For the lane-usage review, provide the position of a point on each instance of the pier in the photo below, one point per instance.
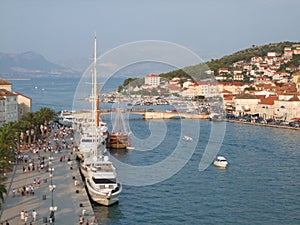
(148, 115)
(61, 189)
(173, 115)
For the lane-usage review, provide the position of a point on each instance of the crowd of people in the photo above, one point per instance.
(34, 163)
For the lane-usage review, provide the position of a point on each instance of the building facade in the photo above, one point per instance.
(152, 80)
(13, 105)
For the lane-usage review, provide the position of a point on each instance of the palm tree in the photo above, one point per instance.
(7, 141)
(22, 126)
(46, 115)
(2, 192)
(7, 144)
(30, 119)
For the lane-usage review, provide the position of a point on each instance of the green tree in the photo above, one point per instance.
(2, 192)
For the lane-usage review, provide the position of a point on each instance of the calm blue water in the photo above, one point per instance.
(260, 186)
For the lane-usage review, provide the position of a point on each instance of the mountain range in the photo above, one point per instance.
(30, 63)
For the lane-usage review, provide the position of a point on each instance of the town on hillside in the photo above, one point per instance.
(265, 88)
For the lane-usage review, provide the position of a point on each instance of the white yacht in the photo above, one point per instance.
(102, 183)
(220, 161)
(66, 118)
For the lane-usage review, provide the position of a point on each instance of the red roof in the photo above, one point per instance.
(234, 83)
(269, 100)
(229, 97)
(152, 75)
(4, 82)
(294, 99)
(4, 92)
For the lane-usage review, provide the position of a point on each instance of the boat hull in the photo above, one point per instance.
(103, 197)
(84, 170)
(118, 141)
(220, 164)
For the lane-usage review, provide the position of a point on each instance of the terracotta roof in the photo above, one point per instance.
(294, 98)
(235, 83)
(4, 82)
(152, 75)
(4, 92)
(269, 100)
(226, 91)
(229, 97)
(246, 96)
(296, 73)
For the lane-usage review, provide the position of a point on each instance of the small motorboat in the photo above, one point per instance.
(187, 138)
(220, 161)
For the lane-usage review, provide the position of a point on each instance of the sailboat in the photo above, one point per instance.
(100, 174)
(119, 137)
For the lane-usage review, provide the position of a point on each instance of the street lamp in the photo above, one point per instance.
(52, 187)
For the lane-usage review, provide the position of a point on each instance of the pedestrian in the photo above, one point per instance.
(25, 216)
(34, 213)
(81, 220)
(87, 222)
(7, 223)
(22, 215)
(14, 192)
(32, 191)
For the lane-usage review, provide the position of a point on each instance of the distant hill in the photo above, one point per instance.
(29, 63)
(227, 61)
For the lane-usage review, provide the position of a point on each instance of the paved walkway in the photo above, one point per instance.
(70, 200)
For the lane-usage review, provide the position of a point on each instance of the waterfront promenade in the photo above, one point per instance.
(69, 199)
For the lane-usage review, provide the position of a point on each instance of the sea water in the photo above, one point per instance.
(260, 185)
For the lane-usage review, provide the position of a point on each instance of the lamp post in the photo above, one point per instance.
(51, 188)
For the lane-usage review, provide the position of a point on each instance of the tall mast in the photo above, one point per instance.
(94, 100)
(95, 96)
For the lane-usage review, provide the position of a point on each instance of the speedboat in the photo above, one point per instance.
(102, 183)
(220, 161)
(187, 138)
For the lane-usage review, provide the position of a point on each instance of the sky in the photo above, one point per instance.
(63, 30)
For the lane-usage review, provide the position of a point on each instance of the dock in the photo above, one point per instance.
(147, 115)
(173, 115)
(69, 196)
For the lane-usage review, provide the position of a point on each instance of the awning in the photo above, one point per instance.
(296, 118)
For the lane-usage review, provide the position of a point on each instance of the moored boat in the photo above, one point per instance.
(102, 183)
(119, 139)
(66, 118)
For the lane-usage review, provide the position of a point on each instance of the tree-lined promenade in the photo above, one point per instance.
(18, 136)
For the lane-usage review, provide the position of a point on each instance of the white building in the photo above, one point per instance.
(152, 80)
(13, 105)
(245, 104)
(8, 107)
(24, 104)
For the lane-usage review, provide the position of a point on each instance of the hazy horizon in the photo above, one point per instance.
(62, 31)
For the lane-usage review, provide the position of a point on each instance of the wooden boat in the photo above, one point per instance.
(119, 139)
